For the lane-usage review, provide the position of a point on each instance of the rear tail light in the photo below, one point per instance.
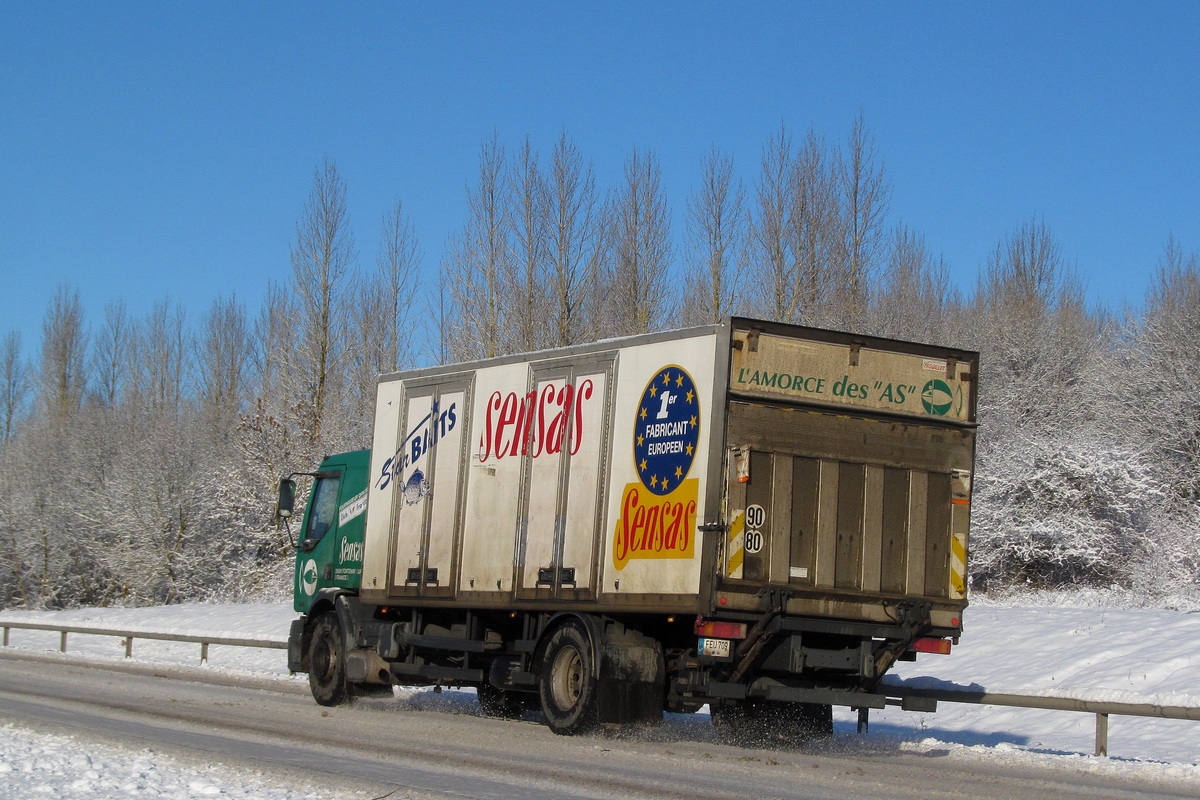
(721, 630)
(929, 645)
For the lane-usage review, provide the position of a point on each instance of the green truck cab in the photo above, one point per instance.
(329, 555)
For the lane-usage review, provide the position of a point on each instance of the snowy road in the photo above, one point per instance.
(433, 749)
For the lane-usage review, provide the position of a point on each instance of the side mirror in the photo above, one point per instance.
(287, 497)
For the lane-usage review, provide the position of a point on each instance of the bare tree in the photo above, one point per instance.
(222, 363)
(775, 292)
(323, 260)
(1168, 339)
(576, 231)
(477, 260)
(526, 282)
(865, 198)
(439, 307)
(1054, 486)
(641, 245)
(380, 338)
(14, 385)
(162, 351)
(274, 345)
(278, 428)
(1025, 274)
(111, 356)
(915, 296)
(1035, 331)
(812, 230)
(364, 358)
(62, 378)
(717, 251)
(397, 265)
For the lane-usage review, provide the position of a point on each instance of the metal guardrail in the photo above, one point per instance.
(130, 635)
(1102, 710)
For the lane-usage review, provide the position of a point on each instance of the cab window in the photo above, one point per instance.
(323, 512)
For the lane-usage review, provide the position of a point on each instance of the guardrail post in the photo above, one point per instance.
(6, 636)
(62, 643)
(129, 647)
(204, 652)
(1102, 735)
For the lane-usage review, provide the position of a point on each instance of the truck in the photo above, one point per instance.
(758, 517)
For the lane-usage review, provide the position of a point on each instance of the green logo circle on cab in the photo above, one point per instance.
(308, 577)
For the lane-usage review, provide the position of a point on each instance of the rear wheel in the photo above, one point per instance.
(327, 663)
(769, 723)
(567, 682)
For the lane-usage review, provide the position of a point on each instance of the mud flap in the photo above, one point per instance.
(632, 679)
(295, 650)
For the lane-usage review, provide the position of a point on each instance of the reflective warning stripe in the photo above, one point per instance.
(958, 566)
(736, 546)
(960, 522)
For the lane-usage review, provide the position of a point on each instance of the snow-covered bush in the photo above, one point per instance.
(1055, 511)
(1170, 566)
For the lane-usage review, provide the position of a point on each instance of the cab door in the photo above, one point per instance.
(314, 569)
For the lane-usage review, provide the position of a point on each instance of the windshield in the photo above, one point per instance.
(323, 510)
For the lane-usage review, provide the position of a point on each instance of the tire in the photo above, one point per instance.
(326, 662)
(499, 703)
(567, 682)
(767, 723)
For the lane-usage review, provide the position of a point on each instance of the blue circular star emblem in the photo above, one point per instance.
(667, 430)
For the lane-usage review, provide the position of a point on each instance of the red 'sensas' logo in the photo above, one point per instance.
(545, 420)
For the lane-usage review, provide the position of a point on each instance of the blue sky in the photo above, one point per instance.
(165, 150)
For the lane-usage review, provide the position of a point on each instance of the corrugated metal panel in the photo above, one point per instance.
(851, 480)
(879, 521)
(893, 566)
(806, 477)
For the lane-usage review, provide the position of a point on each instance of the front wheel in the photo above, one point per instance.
(567, 682)
(327, 663)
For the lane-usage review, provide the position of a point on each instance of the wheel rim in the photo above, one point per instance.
(322, 665)
(567, 678)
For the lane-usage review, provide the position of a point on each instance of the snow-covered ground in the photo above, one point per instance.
(1088, 653)
(38, 764)
(1079, 651)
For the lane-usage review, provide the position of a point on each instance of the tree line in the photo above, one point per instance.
(139, 455)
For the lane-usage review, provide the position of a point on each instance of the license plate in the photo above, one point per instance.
(714, 647)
